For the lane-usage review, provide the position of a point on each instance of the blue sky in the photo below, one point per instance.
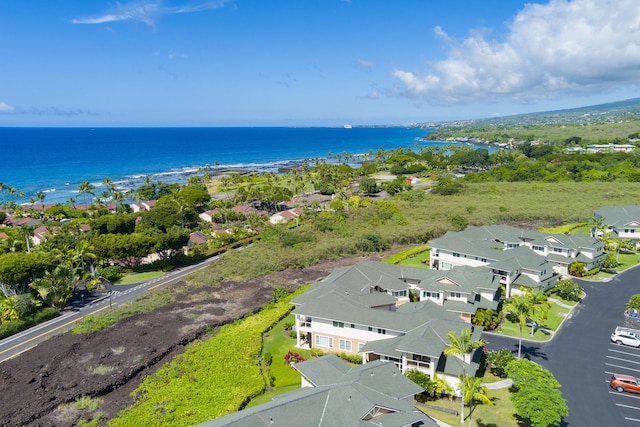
(309, 62)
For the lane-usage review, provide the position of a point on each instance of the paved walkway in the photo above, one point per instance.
(499, 384)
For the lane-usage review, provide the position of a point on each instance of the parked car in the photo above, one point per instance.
(622, 382)
(626, 336)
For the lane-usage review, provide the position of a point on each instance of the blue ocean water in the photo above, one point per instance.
(57, 160)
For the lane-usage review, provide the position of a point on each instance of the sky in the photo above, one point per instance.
(309, 62)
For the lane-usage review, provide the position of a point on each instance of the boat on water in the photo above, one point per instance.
(347, 126)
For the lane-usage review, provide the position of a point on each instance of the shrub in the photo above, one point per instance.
(14, 326)
(498, 361)
(576, 269)
(293, 357)
(112, 273)
(354, 359)
(568, 290)
(634, 302)
(279, 293)
(316, 352)
(424, 381)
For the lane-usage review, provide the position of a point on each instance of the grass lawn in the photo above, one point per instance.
(277, 344)
(139, 277)
(501, 414)
(555, 317)
(416, 260)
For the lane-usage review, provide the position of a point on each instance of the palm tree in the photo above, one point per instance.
(475, 392)
(83, 252)
(41, 195)
(86, 188)
(597, 224)
(462, 346)
(525, 307)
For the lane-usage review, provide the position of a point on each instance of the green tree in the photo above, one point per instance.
(368, 185)
(569, 290)
(462, 346)
(55, 287)
(537, 395)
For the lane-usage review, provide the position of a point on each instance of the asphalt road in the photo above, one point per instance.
(16, 344)
(582, 357)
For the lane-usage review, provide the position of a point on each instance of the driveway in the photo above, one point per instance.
(582, 357)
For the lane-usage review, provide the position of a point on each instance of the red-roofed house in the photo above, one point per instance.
(285, 216)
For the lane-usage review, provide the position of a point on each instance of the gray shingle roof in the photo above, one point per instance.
(355, 395)
(619, 216)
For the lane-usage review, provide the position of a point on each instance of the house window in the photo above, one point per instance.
(370, 329)
(456, 255)
(344, 345)
(537, 248)
(400, 293)
(322, 341)
(558, 250)
(483, 259)
(455, 295)
(382, 331)
(353, 326)
(360, 346)
(445, 266)
(338, 324)
(435, 295)
(306, 323)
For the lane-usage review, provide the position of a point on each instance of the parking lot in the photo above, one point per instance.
(623, 359)
(582, 357)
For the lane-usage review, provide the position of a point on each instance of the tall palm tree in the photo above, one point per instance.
(462, 346)
(475, 392)
(525, 307)
(40, 195)
(86, 188)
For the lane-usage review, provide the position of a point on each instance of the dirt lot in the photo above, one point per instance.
(36, 385)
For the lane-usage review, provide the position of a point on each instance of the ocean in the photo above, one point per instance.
(57, 160)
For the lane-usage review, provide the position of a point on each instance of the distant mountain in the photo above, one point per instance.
(612, 111)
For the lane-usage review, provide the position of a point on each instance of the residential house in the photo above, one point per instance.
(610, 148)
(143, 206)
(620, 221)
(285, 216)
(197, 238)
(41, 234)
(518, 256)
(336, 394)
(207, 216)
(365, 309)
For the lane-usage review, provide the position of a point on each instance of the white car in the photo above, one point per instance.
(626, 338)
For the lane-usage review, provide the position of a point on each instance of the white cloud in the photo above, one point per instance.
(364, 63)
(560, 48)
(6, 108)
(148, 11)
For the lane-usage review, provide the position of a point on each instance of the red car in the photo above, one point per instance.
(623, 382)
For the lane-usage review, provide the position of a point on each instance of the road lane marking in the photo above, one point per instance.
(48, 332)
(631, 396)
(632, 419)
(622, 367)
(628, 406)
(624, 352)
(624, 360)
(173, 278)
